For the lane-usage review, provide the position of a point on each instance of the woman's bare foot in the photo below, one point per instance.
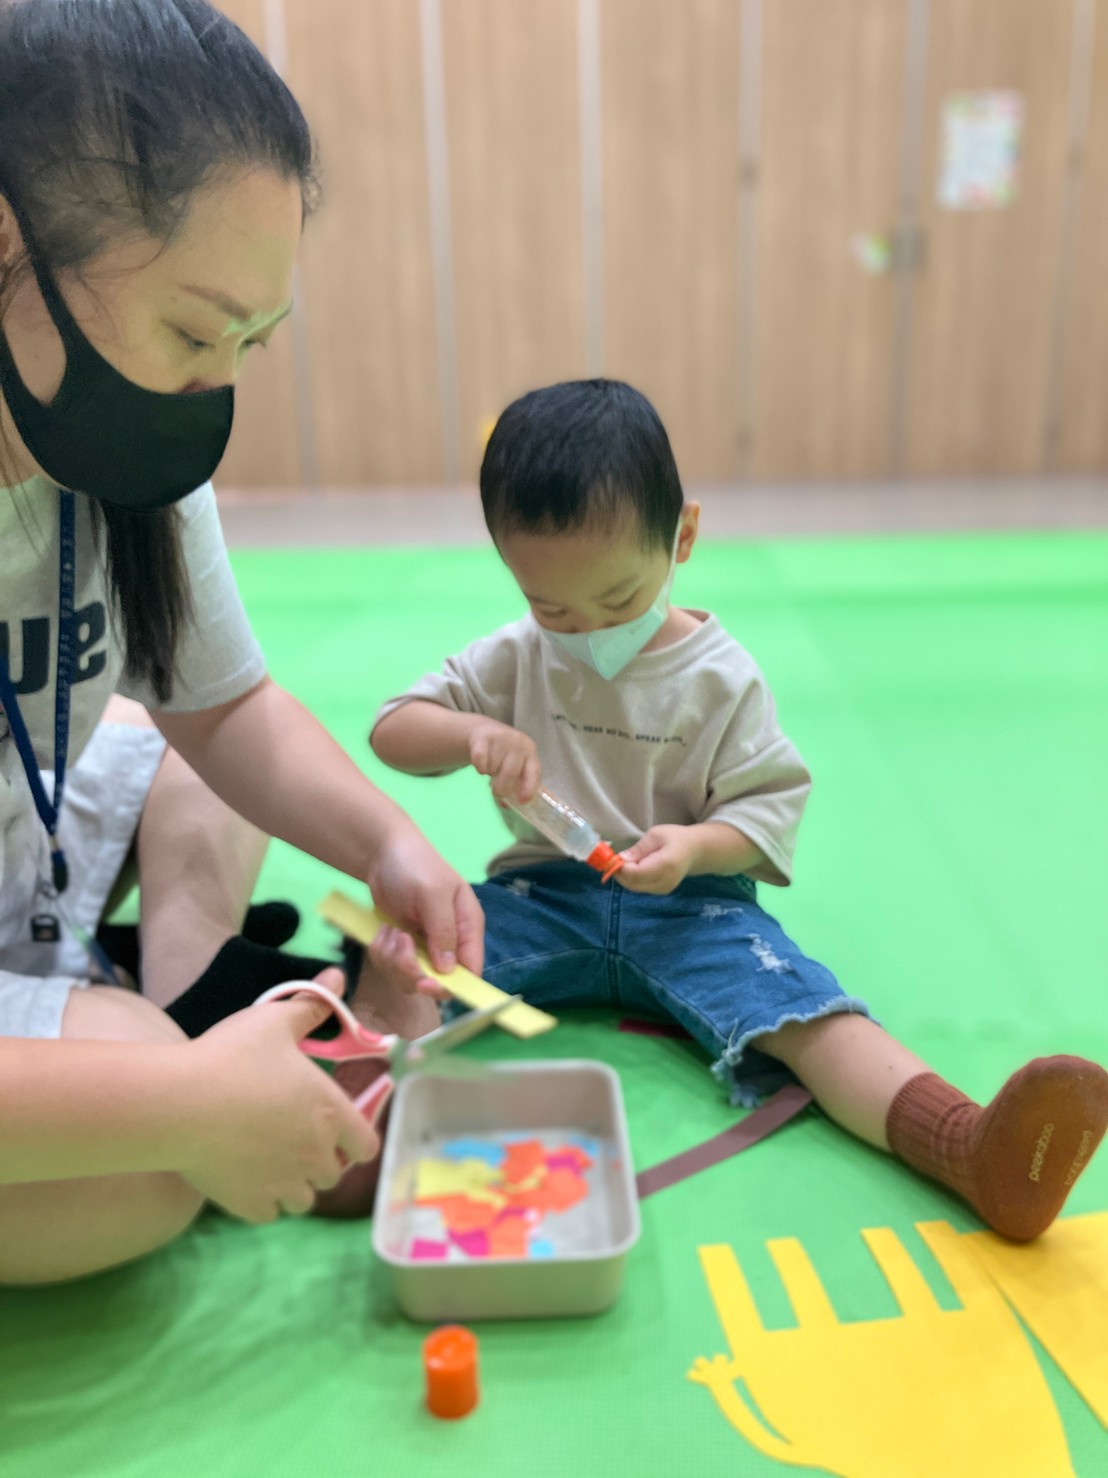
(390, 996)
(354, 1195)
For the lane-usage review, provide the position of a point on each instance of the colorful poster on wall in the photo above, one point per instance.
(979, 167)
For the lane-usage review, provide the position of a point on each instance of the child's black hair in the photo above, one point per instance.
(583, 452)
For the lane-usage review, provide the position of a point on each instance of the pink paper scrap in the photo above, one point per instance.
(424, 1250)
(473, 1244)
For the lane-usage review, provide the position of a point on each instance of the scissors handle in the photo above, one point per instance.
(371, 1103)
(353, 1040)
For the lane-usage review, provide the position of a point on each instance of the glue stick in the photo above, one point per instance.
(566, 829)
(450, 1372)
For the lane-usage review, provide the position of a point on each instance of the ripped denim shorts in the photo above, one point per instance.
(705, 956)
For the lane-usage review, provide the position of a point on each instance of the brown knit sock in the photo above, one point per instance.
(1015, 1161)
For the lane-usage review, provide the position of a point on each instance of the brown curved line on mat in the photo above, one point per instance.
(785, 1104)
(640, 1028)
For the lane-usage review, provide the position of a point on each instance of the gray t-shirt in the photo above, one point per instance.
(684, 734)
(218, 658)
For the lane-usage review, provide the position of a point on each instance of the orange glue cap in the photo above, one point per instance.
(605, 860)
(450, 1365)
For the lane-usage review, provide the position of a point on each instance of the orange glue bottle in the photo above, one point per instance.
(572, 833)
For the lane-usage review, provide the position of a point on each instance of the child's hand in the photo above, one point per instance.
(509, 758)
(271, 1129)
(658, 861)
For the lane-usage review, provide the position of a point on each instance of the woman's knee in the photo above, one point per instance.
(51, 1231)
(54, 1231)
(104, 1013)
(121, 710)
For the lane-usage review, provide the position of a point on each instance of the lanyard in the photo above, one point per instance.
(49, 811)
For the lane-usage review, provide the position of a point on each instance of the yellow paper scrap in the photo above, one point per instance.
(529, 1183)
(364, 924)
(1058, 1285)
(472, 1178)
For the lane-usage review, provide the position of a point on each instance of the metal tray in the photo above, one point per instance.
(567, 1101)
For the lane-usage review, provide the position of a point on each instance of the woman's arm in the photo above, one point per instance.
(240, 1112)
(75, 1108)
(274, 763)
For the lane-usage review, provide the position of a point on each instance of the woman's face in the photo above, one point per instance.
(176, 317)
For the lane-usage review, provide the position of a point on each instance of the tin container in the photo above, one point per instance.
(585, 1248)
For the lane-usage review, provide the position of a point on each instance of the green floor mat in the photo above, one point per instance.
(951, 697)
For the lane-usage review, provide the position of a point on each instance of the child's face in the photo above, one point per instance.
(589, 579)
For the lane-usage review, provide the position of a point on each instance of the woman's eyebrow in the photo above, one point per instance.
(229, 305)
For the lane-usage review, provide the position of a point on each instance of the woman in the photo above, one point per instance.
(154, 178)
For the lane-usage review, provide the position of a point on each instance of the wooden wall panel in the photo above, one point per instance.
(833, 100)
(1082, 443)
(515, 180)
(669, 100)
(983, 306)
(368, 288)
(264, 450)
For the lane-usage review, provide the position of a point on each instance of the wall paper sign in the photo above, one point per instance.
(979, 165)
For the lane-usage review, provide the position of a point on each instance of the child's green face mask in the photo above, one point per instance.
(588, 591)
(609, 649)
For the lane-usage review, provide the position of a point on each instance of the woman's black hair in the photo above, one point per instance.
(113, 114)
(583, 452)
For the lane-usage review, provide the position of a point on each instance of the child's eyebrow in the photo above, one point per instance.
(623, 584)
(543, 600)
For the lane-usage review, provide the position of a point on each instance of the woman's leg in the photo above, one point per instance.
(55, 1230)
(198, 862)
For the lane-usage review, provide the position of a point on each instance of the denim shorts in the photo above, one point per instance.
(705, 956)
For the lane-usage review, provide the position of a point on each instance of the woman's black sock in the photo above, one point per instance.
(266, 923)
(237, 976)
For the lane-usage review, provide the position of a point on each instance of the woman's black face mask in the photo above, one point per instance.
(102, 434)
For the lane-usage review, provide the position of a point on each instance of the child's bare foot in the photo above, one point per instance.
(392, 993)
(1016, 1160)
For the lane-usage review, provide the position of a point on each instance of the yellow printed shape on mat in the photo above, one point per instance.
(1058, 1285)
(930, 1391)
(364, 924)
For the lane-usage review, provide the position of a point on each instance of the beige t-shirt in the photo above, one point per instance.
(684, 734)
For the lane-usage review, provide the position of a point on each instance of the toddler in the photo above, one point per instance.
(656, 725)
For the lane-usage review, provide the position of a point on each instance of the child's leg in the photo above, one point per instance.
(1015, 1161)
(852, 1068)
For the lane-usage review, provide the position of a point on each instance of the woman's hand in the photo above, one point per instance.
(417, 888)
(661, 859)
(508, 757)
(271, 1129)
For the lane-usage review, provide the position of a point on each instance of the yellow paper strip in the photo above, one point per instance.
(364, 924)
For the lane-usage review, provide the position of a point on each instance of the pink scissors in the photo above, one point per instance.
(402, 1056)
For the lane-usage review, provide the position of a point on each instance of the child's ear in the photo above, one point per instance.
(690, 527)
